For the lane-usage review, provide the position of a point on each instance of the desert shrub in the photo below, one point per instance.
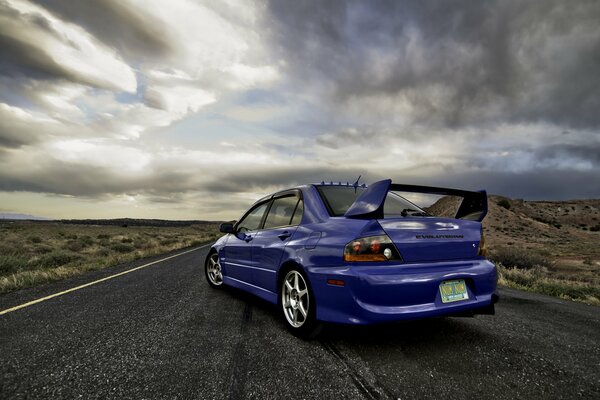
(588, 261)
(12, 263)
(122, 247)
(520, 258)
(71, 236)
(102, 252)
(43, 249)
(127, 240)
(541, 219)
(504, 203)
(7, 249)
(595, 228)
(57, 258)
(140, 244)
(35, 239)
(74, 245)
(87, 240)
(567, 289)
(103, 236)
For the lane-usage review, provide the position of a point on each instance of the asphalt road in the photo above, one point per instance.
(161, 333)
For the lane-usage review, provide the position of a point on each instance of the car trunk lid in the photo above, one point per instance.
(421, 239)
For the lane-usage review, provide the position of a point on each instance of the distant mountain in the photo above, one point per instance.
(124, 222)
(16, 216)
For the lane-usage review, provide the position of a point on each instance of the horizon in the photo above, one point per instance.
(40, 218)
(196, 110)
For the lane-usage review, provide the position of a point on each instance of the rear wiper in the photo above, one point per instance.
(413, 212)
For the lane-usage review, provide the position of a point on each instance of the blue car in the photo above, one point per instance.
(353, 254)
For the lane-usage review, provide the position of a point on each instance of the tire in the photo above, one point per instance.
(212, 270)
(298, 306)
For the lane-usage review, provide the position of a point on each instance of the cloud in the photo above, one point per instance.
(18, 126)
(114, 64)
(41, 46)
(121, 25)
(200, 108)
(447, 63)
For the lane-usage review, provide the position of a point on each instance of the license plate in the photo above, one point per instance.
(453, 291)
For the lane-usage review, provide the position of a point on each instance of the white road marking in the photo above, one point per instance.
(30, 303)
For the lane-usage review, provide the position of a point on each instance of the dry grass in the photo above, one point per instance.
(539, 280)
(37, 252)
(534, 270)
(520, 258)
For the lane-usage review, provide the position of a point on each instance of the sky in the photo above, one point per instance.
(194, 109)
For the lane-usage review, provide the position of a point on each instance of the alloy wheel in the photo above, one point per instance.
(213, 270)
(295, 299)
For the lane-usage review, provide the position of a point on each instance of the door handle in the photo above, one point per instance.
(284, 235)
(247, 238)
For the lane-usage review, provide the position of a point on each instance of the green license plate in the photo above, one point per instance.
(453, 291)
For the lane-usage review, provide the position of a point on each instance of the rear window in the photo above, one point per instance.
(338, 200)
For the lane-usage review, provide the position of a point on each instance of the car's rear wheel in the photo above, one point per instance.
(298, 305)
(212, 268)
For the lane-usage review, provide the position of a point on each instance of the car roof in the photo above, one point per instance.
(300, 187)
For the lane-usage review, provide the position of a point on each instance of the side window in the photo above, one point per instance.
(298, 214)
(281, 212)
(251, 222)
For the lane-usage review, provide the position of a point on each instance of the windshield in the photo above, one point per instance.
(338, 200)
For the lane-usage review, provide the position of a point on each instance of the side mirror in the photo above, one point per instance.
(227, 227)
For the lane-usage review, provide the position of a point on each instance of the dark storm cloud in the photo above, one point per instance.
(537, 184)
(348, 137)
(456, 62)
(586, 153)
(553, 184)
(36, 46)
(10, 138)
(16, 132)
(18, 58)
(131, 31)
(23, 60)
(263, 179)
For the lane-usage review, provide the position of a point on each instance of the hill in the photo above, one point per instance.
(556, 240)
(566, 230)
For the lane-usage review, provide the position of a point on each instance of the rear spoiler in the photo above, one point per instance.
(369, 205)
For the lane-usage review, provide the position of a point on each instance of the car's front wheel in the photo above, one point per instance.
(298, 305)
(212, 269)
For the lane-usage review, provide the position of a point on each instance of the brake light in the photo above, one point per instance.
(372, 248)
(482, 249)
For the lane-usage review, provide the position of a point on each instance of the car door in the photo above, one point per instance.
(237, 254)
(282, 220)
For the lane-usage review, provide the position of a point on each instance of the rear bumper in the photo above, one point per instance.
(394, 292)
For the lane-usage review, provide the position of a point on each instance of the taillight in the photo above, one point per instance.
(482, 249)
(372, 248)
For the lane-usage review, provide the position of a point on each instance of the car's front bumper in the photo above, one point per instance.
(386, 292)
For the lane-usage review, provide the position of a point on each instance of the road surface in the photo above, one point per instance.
(161, 333)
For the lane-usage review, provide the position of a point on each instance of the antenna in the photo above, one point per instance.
(356, 183)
